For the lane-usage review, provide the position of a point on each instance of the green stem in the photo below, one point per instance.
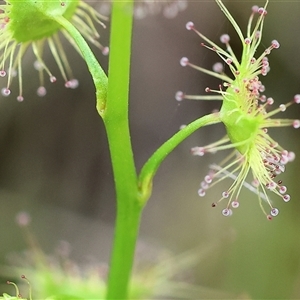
(149, 169)
(116, 122)
(98, 75)
(112, 105)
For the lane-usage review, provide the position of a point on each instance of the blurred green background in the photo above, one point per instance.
(54, 160)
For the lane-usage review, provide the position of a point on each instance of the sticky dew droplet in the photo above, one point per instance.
(226, 212)
(41, 91)
(5, 92)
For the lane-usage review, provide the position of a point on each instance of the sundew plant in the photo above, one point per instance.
(255, 161)
(246, 113)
